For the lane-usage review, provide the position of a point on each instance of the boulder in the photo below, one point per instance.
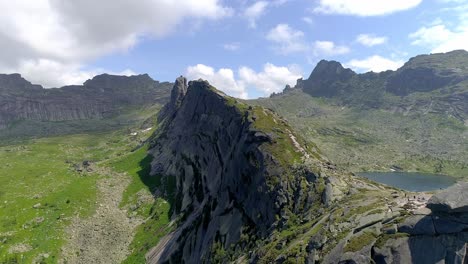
(418, 225)
(451, 200)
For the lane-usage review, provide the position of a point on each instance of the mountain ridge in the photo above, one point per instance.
(102, 97)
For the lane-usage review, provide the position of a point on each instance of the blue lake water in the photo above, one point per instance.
(411, 181)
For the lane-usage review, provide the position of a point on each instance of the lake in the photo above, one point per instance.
(411, 181)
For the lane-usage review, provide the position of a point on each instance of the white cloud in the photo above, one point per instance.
(329, 48)
(374, 63)
(52, 73)
(258, 9)
(223, 79)
(71, 33)
(271, 79)
(288, 39)
(231, 46)
(370, 40)
(364, 7)
(253, 12)
(308, 20)
(439, 38)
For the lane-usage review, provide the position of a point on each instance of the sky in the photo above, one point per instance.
(247, 48)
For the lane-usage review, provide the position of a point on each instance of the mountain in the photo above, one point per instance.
(248, 189)
(103, 97)
(414, 118)
(443, 77)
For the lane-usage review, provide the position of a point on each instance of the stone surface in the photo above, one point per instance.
(424, 249)
(418, 225)
(452, 199)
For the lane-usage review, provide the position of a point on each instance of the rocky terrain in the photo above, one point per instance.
(103, 97)
(250, 190)
(105, 236)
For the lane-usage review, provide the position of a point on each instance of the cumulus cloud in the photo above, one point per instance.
(71, 33)
(253, 12)
(374, 63)
(439, 38)
(271, 79)
(288, 40)
(370, 40)
(364, 7)
(329, 48)
(52, 73)
(223, 79)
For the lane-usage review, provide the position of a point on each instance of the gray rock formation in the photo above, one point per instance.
(177, 95)
(440, 237)
(451, 200)
(231, 181)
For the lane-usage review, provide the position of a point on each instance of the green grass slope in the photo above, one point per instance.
(376, 139)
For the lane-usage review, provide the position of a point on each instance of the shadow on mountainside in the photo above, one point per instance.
(159, 186)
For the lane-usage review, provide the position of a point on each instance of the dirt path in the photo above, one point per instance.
(105, 236)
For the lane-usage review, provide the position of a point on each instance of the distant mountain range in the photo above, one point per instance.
(414, 118)
(103, 97)
(426, 83)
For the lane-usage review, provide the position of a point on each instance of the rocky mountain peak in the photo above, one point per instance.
(239, 171)
(178, 92)
(325, 79)
(331, 69)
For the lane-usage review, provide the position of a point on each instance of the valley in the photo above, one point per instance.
(196, 175)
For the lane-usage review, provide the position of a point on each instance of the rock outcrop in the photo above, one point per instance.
(451, 200)
(444, 231)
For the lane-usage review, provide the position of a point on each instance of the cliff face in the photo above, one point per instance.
(97, 98)
(232, 179)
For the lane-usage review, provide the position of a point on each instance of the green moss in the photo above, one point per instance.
(382, 240)
(282, 148)
(42, 171)
(149, 233)
(358, 242)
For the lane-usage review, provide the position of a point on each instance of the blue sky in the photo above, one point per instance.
(246, 48)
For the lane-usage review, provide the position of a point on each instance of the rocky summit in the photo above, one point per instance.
(248, 189)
